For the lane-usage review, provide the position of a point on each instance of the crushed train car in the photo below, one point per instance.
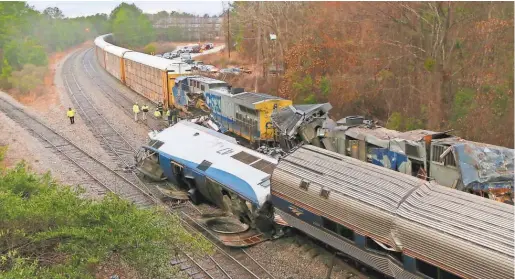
(211, 166)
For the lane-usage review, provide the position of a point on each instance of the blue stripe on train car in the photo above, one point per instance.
(293, 210)
(231, 181)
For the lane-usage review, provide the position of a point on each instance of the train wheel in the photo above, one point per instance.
(194, 196)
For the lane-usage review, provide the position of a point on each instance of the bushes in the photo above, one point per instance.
(150, 48)
(47, 231)
(28, 78)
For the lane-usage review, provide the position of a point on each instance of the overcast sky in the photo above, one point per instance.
(83, 8)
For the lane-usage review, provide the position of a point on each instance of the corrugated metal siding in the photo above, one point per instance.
(380, 263)
(363, 196)
(145, 80)
(475, 235)
(456, 231)
(113, 65)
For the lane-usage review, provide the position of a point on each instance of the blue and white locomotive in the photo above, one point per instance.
(210, 166)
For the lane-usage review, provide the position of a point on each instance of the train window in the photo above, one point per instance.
(412, 150)
(372, 245)
(304, 185)
(447, 275)
(329, 225)
(345, 232)
(324, 193)
(427, 269)
(448, 159)
(204, 165)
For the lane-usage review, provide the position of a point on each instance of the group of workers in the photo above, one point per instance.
(171, 114)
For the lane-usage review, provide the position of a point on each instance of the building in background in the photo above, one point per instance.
(187, 27)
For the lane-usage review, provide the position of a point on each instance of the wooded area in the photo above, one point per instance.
(28, 36)
(432, 65)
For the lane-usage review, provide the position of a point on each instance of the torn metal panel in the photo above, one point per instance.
(485, 167)
(391, 160)
(289, 119)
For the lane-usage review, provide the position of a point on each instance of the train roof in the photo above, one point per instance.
(484, 222)
(100, 41)
(116, 50)
(220, 158)
(207, 80)
(160, 63)
(423, 219)
(250, 98)
(381, 188)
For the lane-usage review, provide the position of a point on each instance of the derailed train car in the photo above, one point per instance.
(399, 225)
(150, 76)
(210, 166)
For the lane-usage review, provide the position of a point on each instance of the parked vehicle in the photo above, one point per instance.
(196, 65)
(195, 48)
(189, 61)
(231, 71)
(209, 69)
(208, 46)
(185, 56)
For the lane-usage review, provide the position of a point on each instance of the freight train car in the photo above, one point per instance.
(245, 114)
(100, 44)
(114, 63)
(397, 224)
(150, 76)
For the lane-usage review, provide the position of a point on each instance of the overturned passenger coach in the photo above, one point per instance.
(210, 166)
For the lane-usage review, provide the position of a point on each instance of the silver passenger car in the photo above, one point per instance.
(399, 225)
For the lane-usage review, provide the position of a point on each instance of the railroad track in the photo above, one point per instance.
(115, 95)
(102, 179)
(225, 263)
(111, 140)
(235, 264)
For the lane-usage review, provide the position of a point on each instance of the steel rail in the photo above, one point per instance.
(99, 133)
(67, 141)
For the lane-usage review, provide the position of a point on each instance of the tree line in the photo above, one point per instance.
(433, 65)
(27, 36)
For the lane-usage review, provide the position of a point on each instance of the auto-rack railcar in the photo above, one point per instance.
(150, 76)
(402, 226)
(153, 77)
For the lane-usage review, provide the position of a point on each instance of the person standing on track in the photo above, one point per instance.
(71, 114)
(144, 108)
(135, 109)
(160, 108)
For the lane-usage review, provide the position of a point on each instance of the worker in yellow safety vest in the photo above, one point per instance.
(144, 108)
(71, 114)
(157, 114)
(135, 109)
